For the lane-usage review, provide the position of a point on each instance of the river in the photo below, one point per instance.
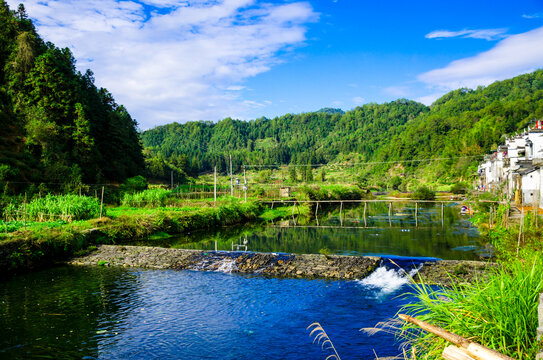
(114, 313)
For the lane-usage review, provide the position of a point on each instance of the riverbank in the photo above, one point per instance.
(40, 246)
(337, 267)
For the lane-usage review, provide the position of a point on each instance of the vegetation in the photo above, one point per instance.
(36, 246)
(146, 198)
(500, 312)
(424, 193)
(57, 126)
(457, 128)
(55, 207)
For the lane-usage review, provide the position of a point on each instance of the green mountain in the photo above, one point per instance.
(57, 126)
(458, 127)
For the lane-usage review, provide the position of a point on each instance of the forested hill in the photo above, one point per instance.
(316, 137)
(56, 125)
(460, 125)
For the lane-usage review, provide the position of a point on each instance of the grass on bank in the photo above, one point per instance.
(54, 207)
(500, 312)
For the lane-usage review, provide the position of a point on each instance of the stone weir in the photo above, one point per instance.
(443, 272)
(288, 265)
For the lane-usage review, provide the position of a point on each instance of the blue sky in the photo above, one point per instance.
(170, 60)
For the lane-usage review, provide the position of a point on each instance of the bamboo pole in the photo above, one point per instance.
(389, 214)
(476, 350)
(102, 202)
(442, 215)
(365, 221)
(24, 214)
(340, 213)
(416, 214)
(452, 352)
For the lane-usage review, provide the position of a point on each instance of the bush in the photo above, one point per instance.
(458, 188)
(146, 198)
(395, 182)
(134, 184)
(55, 207)
(424, 193)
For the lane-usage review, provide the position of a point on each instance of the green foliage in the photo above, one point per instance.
(331, 192)
(57, 126)
(458, 188)
(424, 193)
(322, 175)
(457, 128)
(292, 174)
(134, 184)
(146, 198)
(395, 182)
(499, 312)
(55, 207)
(264, 176)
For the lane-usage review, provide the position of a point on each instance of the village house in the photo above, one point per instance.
(515, 168)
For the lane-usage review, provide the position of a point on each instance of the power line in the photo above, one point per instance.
(367, 163)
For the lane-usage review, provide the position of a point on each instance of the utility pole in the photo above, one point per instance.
(215, 184)
(245, 182)
(231, 179)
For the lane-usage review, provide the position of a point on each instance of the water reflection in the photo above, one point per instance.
(427, 230)
(63, 313)
(107, 313)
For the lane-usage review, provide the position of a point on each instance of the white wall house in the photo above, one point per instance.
(531, 187)
(517, 165)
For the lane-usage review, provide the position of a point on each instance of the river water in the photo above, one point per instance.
(107, 313)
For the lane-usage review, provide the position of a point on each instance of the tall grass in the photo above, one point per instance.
(147, 198)
(55, 207)
(500, 313)
(331, 192)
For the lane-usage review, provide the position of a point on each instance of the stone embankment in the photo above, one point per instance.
(303, 265)
(284, 265)
(446, 272)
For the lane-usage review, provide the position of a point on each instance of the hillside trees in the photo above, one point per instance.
(57, 125)
(456, 130)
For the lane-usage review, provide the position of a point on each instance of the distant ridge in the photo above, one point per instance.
(440, 144)
(331, 111)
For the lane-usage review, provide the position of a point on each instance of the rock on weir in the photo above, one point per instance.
(288, 265)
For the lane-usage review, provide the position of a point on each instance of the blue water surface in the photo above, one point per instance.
(106, 313)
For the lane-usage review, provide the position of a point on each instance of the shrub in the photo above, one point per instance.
(424, 193)
(458, 188)
(55, 207)
(146, 198)
(134, 184)
(395, 182)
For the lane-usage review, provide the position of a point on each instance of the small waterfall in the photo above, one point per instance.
(391, 275)
(216, 262)
(387, 280)
(226, 265)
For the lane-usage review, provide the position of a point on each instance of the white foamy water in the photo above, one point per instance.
(387, 281)
(226, 265)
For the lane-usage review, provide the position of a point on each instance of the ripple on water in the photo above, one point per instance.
(137, 314)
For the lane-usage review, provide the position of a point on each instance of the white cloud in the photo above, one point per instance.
(173, 60)
(517, 54)
(235, 88)
(429, 99)
(533, 16)
(486, 34)
(357, 100)
(398, 91)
